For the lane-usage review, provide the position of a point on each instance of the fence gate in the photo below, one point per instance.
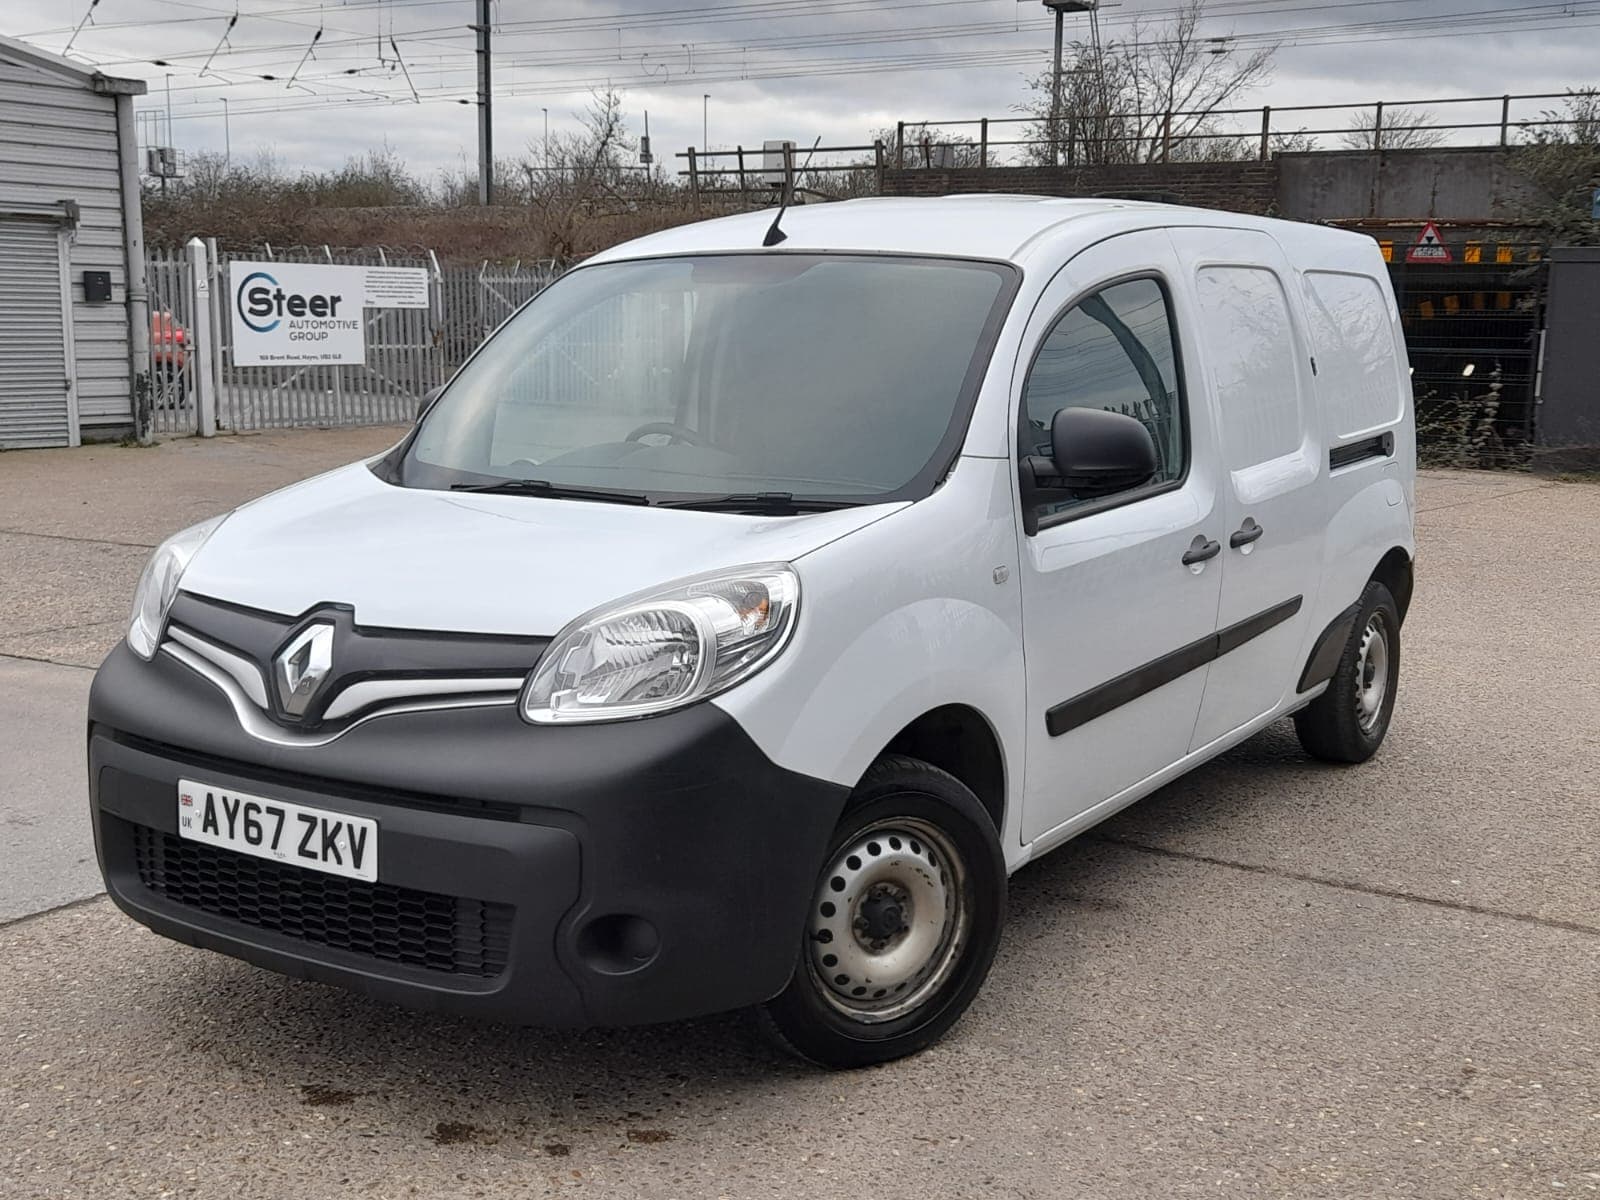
(403, 362)
(172, 392)
(409, 351)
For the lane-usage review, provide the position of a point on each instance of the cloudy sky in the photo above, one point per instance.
(794, 69)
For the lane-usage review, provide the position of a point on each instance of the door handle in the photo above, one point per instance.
(1246, 533)
(1200, 550)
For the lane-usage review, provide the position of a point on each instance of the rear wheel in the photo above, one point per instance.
(1347, 722)
(903, 924)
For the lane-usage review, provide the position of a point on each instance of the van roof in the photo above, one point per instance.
(1000, 227)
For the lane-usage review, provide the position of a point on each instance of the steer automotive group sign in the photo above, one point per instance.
(289, 314)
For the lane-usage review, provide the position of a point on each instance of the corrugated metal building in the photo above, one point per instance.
(74, 344)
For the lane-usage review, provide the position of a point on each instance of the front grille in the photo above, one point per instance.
(451, 934)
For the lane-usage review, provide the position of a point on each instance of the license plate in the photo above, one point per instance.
(291, 833)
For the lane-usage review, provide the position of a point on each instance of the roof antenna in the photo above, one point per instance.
(774, 234)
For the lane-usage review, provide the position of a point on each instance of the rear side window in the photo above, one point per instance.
(1113, 351)
(1358, 371)
(1250, 347)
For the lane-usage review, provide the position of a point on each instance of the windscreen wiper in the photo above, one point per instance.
(555, 491)
(776, 504)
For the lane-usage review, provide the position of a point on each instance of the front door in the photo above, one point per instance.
(1256, 361)
(1118, 628)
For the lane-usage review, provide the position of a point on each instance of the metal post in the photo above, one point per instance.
(227, 136)
(136, 293)
(741, 171)
(1266, 132)
(900, 146)
(167, 141)
(877, 163)
(1377, 126)
(705, 120)
(201, 343)
(1166, 137)
(485, 110)
(226, 417)
(1505, 120)
(694, 179)
(983, 144)
(1055, 91)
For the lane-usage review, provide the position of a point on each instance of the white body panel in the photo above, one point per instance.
(909, 607)
(407, 558)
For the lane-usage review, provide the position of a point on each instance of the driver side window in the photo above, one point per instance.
(1115, 351)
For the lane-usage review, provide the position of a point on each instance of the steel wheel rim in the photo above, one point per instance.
(902, 864)
(1372, 673)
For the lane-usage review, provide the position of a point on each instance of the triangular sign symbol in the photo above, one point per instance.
(1429, 247)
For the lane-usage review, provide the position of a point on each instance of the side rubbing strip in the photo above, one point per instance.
(1097, 701)
(1380, 446)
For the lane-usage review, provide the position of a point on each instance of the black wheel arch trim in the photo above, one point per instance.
(1330, 644)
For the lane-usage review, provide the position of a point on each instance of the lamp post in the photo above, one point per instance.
(227, 136)
(705, 121)
(1061, 8)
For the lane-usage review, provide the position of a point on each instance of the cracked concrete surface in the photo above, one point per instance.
(1271, 978)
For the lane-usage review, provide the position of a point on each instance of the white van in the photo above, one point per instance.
(739, 618)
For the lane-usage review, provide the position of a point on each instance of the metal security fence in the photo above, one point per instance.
(1473, 334)
(474, 301)
(172, 391)
(409, 351)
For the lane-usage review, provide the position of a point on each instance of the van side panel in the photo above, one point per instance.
(1363, 394)
(923, 610)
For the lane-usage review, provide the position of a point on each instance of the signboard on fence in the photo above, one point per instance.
(394, 287)
(287, 314)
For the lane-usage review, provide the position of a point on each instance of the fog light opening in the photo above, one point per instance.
(618, 944)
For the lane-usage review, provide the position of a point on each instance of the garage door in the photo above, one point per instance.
(35, 396)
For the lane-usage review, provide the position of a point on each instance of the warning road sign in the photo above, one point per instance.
(1430, 247)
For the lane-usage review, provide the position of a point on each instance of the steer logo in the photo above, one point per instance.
(262, 304)
(303, 666)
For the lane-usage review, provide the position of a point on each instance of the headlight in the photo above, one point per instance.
(158, 586)
(665, 649)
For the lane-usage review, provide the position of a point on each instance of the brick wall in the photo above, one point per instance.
(1239, 187)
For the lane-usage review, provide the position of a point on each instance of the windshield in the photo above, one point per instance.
(827, 376)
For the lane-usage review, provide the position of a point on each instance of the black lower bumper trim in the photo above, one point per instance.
(591, 875)
(456, 935)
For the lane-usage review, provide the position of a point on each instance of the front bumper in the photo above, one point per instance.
(590, 875)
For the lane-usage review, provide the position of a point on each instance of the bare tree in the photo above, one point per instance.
(1403, 129)
(1152, 95)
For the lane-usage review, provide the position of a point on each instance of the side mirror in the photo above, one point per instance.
(1093, 453)
(1098, 453)
(428, 398)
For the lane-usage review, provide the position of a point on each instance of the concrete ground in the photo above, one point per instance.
(1272, 978)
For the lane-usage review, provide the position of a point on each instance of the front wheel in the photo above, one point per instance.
(903, 925)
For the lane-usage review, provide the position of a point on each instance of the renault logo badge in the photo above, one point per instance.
(303, 666)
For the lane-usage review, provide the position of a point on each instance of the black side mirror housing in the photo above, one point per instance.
(1093, 453)
(1096, 453)
(428, 399)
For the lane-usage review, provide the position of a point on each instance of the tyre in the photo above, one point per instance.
(1347, 722)
(903, 924)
